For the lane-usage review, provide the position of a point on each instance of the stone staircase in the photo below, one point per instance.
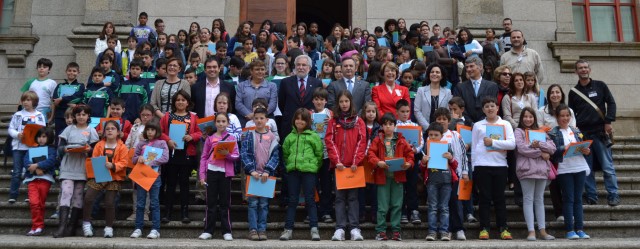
(601, 221)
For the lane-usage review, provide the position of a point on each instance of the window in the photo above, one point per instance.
(605, 20)
(6, 15)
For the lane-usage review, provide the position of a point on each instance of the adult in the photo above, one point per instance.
(431, 96)
(595, 124)
(522, 59)
(165, 89)
(505, 38)
(475, 89)
(359, 89)
(255, 87)
(546, 113)
(502, 74)
(108, 30)
(517, 99)
(206, 89)
(387, 95)
(296, 92)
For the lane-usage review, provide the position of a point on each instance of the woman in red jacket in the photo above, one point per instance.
(181, 161)
(346, 142)
(387, 95)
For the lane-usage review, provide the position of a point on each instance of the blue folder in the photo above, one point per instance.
(212, 48)
(319, 65)
(326, 81)
(469, 47)
(318, 124)
(67, 91)
(38, 152)
(495, 132)
(150, 154)
(176, 133)
(382, 42)
(395, 37)
(262, 189)
(395, 164)
(436, 160)
(411, 135)
(94, 122)
(426, 49)
(100, 170)
(537, 135)
(466, 136)
(574, 149)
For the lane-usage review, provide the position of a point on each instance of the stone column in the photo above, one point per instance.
(478, 15)
(97, 12)
(359, 13)
(565, 32)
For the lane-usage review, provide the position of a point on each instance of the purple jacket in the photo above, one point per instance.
(530, 164)
(207, 151)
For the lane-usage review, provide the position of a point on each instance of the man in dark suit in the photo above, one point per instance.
(296, 92)
(472, 97)
(205, 90)
(360, 89)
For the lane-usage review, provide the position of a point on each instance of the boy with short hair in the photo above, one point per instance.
(293, 42)
(96, 94)
(313, 33)
(263, 56)
(66, 94)
(190, 76)
(325, 175)
(310, 46)
(456, 105)
(329, 45)
(134, 92)
(111, 78)
(260, 155)
(195, 63)
(116, 109)
(43, 87)
(271, 124)
(377, 31)
(148, 70)
(439, 187)
(235, 68)
(142, 31)
(128, 54)
(277, 48)
(161, 70)
(410, 211)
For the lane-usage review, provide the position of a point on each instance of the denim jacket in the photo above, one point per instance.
(558, 140)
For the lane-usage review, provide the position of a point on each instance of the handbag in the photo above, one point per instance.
(553, 172)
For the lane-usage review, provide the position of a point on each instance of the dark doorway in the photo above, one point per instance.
(325, 13)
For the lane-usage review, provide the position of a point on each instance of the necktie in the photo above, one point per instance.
(302, 89)
(350, 86)
(476, 86)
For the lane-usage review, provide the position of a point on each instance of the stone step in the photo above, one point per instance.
(23, 242)
(623, 149)
(175, 229)
(626, 159)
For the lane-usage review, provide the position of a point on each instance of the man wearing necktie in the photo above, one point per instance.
(359, 89)
(474, 90)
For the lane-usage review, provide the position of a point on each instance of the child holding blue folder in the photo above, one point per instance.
(389, 144)
(410, 205)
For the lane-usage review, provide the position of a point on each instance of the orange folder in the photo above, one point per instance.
(143, 175)
(229, 145)
(104, 120)
(369, 171)
(464, 189)
(78, 149)
(29, 134)
(348, 179)
(130, 154)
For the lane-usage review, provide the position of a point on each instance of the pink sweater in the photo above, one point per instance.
(529, 163)
(226, 163)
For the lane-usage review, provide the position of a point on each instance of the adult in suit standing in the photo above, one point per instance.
(360, 89)
(296, 92)
(205, 90)
(475, 89)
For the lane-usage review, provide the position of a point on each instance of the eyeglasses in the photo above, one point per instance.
(173, 65)
(505, 74)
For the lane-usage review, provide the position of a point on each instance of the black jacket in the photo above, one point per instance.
(289, 100)
(199, 92)
(587, 119)
(473, 105)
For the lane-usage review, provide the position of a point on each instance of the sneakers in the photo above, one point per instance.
(460, 235)
(505, 235)
(548, 237)
(471, 219)
(286, 234)
(108, 232)
(560, 218)
(431, 236)
(484, 234)
(326, 218)
(36, 232)
(262, 235)
(54, 216)
(415, 217)
(338, 235)
(356, 235)
(581, 234)
(132, 217)
(87, 230)
(137, 233)
(11, 201)
(227, 237)
(26, 200)
(315, 235)
(404, 219)
(253, 235)
(381, 236)
(154, 234)
(445, 236)
(590, 201)
(205, 236)
(396, 236)
(572, 235)
(614, 201)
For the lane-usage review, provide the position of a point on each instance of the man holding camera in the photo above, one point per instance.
(595, 110)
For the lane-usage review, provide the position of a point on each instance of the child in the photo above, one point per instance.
(72, 168)
(260, 156)
(490, 168)
(194, 62)
(531, 87)
(28, 115)
(97, 95)
(42, 86)
(410, 204)
(116, 153)
(302, 151)
(181, 161)
(191, 76)
(346, 142)
(151, 135)
(261, 50)
(532, 170)
(325, 175)
(459, 151)
(439, 188)
(222, 105)
(116, 109)
(368, 194)
(134, 92)
(270, 123)
(310, 45)
(148, 71)
(327, 72)
(250, 55)
(216, 174)
(142, 31)
(456, 105)
(389, 144)
(67, 94)
(128, 54)
(39, 177)
(112, 79)
(135, 137)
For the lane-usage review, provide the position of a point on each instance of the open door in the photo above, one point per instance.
(275, 10)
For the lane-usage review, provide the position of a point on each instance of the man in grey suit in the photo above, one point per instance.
(360, 89)
(474, 90)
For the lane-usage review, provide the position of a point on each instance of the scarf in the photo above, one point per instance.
(342, 120)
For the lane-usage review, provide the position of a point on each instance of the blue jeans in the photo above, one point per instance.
(257, 213)
(297, 180)
(16, 174)
(602, 155)
(438, 202)
(154, 206)
(572, 185)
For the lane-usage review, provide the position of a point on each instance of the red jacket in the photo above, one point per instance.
(453, 166)
(386, 101)
(377, 152)
(346, 146)
(194, 132)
